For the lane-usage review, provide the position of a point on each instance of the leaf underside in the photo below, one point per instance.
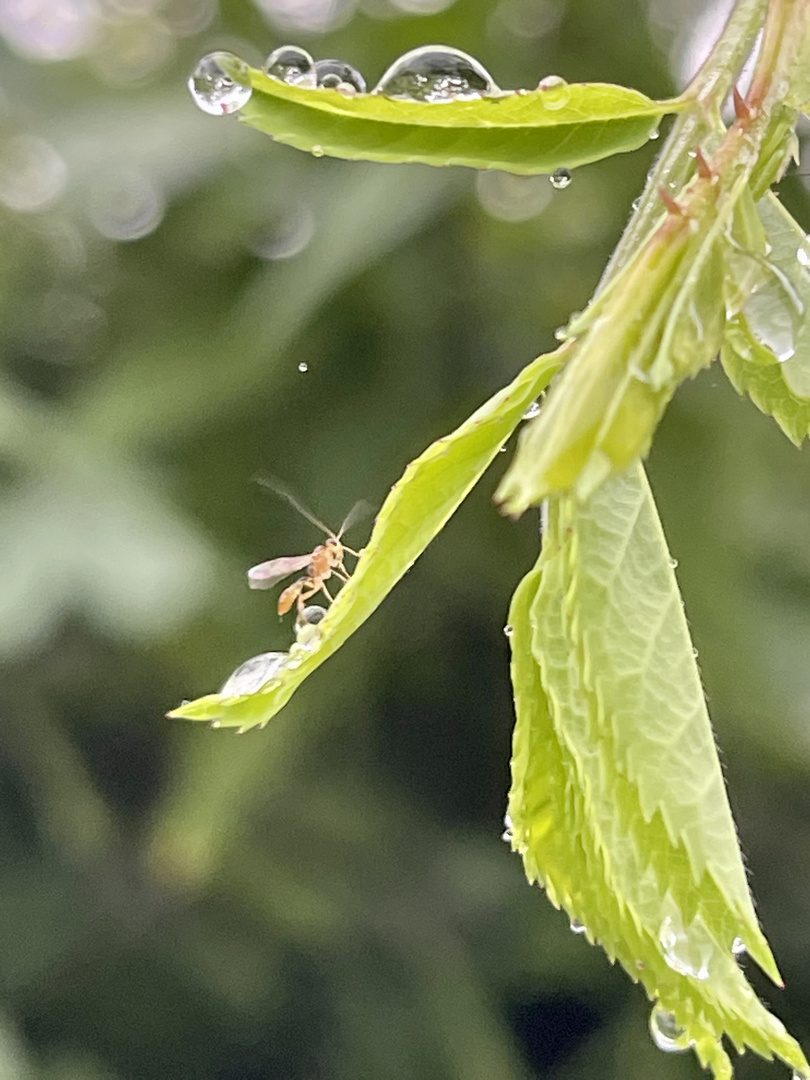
(613, 746)
(418, 507)
(516, 133)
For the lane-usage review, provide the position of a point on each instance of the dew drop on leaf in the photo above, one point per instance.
(577, 927)
(303, 367)
(507, 835)
(292, 65)
(532, 411)
(803, 254)
(436, 73)
(673, 564)
(738, 947)
(338, 75)
(667, 1034)
(560, 179)
(556, 92)
(509, 629)
(253, 674)
(220, 83)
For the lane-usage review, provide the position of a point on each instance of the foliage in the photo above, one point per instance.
(613, 744)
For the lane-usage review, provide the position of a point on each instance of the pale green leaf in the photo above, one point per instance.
(429, 492)
(613, 746)
(754, 370)
(516, 132)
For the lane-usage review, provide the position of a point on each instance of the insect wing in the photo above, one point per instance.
(265, 575)
(284, 492)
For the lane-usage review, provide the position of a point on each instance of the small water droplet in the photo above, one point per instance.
(216, 723)
(532, 411)
(636, 203)
(803, 254)
(673, 564)
(338, 75)
(667, 1034)
(560, 179)
(312, 615)
(303, 367)
(317, 151)
(507, 834)
(738, 947)
(654, 134)
(292, 65)
(509, 629)
(436, 73)
(253, 674)
(220, 83)
(561, 333)
(695, 653)
(503, 450)
(578, 927)
(556, 92)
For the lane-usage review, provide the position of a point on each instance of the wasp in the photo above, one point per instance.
(320, 564)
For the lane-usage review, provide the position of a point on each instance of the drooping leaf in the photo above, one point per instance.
(613, 747)
(520, 132)
(659, 322)
(420, 504)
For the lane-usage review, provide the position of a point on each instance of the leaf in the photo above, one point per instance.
(420, 504)
(516, 132)
(613, 746)
(658, 322)
(754, 370)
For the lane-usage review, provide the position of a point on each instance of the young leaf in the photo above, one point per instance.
(521, 132)
(613, 746)
(420, 504)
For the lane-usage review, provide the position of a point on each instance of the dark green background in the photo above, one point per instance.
(328, 899)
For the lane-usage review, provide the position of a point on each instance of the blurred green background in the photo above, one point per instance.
(328, 899)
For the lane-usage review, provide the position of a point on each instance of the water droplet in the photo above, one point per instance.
(561, 333)
(556, 92)
(509, 629)
(33, 174)
(803, 254)
(338, 75)
(317, 151)
(654, 135)
(673, 564)
(636, 203)
(695, 653)
(667, 1034)
(216, 723)
(303, 367)
(532, 411)
(253, 674)
(220, 83)
(503, 450)
(686, 953)
(577, 927)
(738, 947)
(560, 179)
(775, 313)
(312, 614)
(507, 833)
(292, 65)
(436, 73)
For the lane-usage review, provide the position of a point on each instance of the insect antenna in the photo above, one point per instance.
(359, 512)
(280, 489)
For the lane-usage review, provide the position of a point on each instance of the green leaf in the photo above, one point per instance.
(754, 370)
(420, 504)
(613, 746)
(517, 132)
(658, 322)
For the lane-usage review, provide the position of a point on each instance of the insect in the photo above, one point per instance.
(320, 564)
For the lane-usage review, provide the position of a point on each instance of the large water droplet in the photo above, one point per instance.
(686, 953)
(556, 92)
(220, 83)
(666, 1032)
(311, 615)
(253, 674)
(436, 73)
(338, 75)
(292, 65)
(532, 411)
(303, 367)
(560, 179)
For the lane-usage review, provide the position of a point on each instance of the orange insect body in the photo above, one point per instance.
(325, 560)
